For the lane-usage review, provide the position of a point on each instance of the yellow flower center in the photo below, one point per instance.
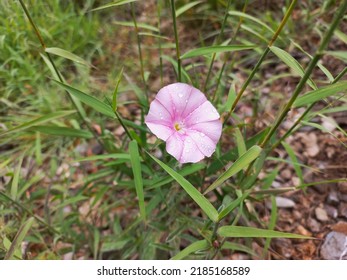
(177, 127)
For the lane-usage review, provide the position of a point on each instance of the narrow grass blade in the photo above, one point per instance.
(22, 232)
(40, 120)
(215, 49)
(204, 204)
(115, 92)
(136, 166)
(319, 94)
(152, 184)
(238, 231)
(89, 100)
(320, 65)
(238, 247)
(185, 76)
(294, 159)
(15, 180)
(186, 7)
(63, 131)
(338, 54)
(68, 55)
(232, 206)
(192, 248)
(107, 156)
(240, 142)
(113, 4)
(292, 63)
(238, 165)
(139, 25)
(254, 19)
(50, 66)
(272, 223)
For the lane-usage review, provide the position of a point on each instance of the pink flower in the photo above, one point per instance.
(181, 115)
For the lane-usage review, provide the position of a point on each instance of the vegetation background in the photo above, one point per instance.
(81, 176)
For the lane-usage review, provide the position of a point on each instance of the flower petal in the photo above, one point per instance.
(212, 129)
(174, 146)
(205, 145)
(191, 152)
(180, 99)
(183, 148)
(158, 114)
(161, 131)
(204, 113)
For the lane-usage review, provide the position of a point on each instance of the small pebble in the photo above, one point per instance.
(331, 211)
(333, 198)
(286, 174)
(342, 210)
(282, 202)
(313, 225)
(321, 214)
(334, 246)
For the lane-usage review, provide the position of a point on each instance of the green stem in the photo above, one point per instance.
(308, 72)
(261, 59)
(39, 219)
(226, 57)
(139, 49)
(173, 11)
(159, 44)
(217, 42)
(38, 34)
(304, 114)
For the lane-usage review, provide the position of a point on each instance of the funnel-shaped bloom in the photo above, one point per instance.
(181, 115)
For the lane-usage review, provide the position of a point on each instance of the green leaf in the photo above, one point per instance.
(187, 170)
(89, 100)
(238, 231)
(319, 94)
(338, 54)
(214, 49)
(238, 247)
(139, 25)
(204, 204)
(136, 167)
(232, 206)
(294, 159)
(115, 92)
(40, 120)
(17, 241)
(240, 142)
(254, 19)
(186, 7)
(192, 248)
(320, 65)
(68, 55)
(238, 165)
(341, 35)
(15, 180)
(185, 75)
(113, 4)
(63, 131)
(292, 63)
(107, 156)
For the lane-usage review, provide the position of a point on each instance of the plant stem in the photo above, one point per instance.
(139, 49)
(261, 59)
(217, 42)
(38, 34)
(308, 72)
(159, 43)
(308, 109)
(173, 11)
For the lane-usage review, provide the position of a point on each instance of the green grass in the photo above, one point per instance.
(82, 176)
